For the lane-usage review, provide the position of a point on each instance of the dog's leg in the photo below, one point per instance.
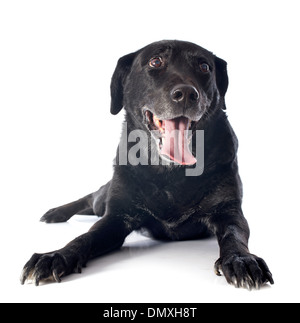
(87, 211)
(65, 212)
(92, 204)
(239, 266)
(105, 235)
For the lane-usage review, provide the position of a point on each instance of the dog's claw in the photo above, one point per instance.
(56, 276)
(217, 268)
(270, 278)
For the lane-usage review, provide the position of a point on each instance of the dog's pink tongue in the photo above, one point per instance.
(175, 144)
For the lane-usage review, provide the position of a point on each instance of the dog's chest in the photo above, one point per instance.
(173, 217)
(171, 204)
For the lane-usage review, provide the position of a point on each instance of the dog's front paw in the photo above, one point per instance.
(49, 266)
(247, 270)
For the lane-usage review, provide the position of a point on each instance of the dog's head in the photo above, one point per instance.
(167, 87)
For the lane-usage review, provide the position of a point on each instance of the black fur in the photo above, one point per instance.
(161, 199)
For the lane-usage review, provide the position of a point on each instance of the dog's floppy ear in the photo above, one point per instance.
(221, 77)
(117, 82)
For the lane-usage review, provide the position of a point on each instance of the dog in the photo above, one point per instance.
(165, 182)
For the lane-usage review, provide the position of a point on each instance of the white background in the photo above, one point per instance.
(58, 140)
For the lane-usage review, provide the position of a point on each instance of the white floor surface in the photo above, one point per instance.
(142, 271)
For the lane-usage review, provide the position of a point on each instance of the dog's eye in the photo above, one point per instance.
(155, 62)
(204, 67)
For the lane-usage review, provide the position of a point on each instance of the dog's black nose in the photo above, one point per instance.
(183, 92)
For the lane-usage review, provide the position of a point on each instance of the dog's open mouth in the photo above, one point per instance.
(173, 137)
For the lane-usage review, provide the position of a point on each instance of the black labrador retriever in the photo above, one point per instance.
(175, 173)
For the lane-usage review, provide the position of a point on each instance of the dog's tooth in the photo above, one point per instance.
(155, 120)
